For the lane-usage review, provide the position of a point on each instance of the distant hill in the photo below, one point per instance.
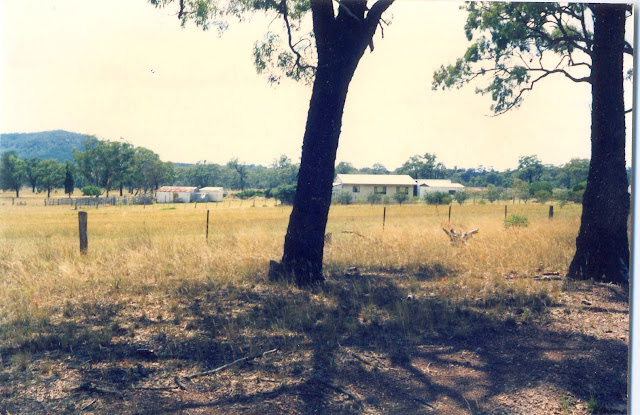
(45, 145)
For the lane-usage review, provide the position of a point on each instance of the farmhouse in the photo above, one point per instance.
(444, 186)
(361, 185)
(174, 194)
(211, 194)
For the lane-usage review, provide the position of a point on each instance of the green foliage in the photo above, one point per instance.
(56, 144)
(509, 42)
(542, 196)
(536, 187)
(285, 193)
(51, 175)
(400, 197)
(68, 178)
(437, 198)
(482, 202)
(13, 172)
(91, 191)
(423, 167)
(460, 197)
(344, 197)
(494, 194)
(345, 168)
(516, 221)
(249, 193)
(374, 198)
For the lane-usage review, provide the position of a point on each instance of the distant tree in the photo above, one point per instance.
(88, 161)
(32, 172)
(529, 168)
(574, 172)
(460, 197)
(493, 194)
(420, 167)
(50, 175)
(240, 169)
(285, 193)
(68, 178)
(202, 174)
(542, 196)
(13, 172)
(535, 187)
(345, 168)
(437, 198)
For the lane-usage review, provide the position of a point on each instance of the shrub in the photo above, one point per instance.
(460, 197)
(285, 193)
(91, 191)
(374, 198)
(482, 202)
(517, 221)
(542, 196)
(401, 197)
(249, 193)
(437, 198)
(344, 197)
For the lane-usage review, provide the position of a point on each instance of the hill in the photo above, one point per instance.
(44, 145)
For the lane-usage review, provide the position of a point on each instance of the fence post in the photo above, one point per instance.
(82, 225)
(45, 202)
(76, 204)
(207, 224)
(505, 211)
(13, 199)
(449, 213)
(551, 212)
(384, 216)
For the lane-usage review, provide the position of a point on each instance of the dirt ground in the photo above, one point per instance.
(567, 356)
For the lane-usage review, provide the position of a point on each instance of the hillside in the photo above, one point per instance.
(44, 145)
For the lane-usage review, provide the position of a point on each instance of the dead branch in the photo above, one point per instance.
(90, 387)
(338, 388)
(228, 365)
(459, 236)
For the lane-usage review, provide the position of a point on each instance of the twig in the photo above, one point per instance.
(361, 359)
(228, 365)
(179, 383)
(90, 387)
(87, 405)
(422, 401)
(155, 388)
(338, 388)
(356, 233)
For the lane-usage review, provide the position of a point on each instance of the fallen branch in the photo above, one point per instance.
(338, 388)
(90, 387)
(228, 365)
(459, 236)
(422, 401)
(356, 233)
(362, 359)
(155, 388)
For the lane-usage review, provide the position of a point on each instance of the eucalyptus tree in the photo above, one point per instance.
(32, 172)
(328, 57)
(13, 172)
(518, 45)
(69, 180)
(51, 174)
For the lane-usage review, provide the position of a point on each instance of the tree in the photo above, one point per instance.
(341, 37)
(529, 168)
(240, 169)
(50, 175)
(574, 172)
(68, 178)
(517, 45)
(460, 197)
(345, 168)
(32, 172)
(400, 197)
(13, 172)
(420, 167)
(344, 197)
(374, 198)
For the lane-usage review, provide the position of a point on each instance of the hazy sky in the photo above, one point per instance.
(122, 68)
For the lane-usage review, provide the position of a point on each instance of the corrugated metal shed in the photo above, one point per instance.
(438, 183)
(177, 189)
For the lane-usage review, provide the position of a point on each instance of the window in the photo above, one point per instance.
(402, 189)
(356, 189)
(380, 190)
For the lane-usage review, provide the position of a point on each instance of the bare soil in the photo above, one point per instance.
(357, 345)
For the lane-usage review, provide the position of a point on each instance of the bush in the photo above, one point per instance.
(437, 198)
(374, 198)
(285, 193)
(482, 202)
(249, 193)
(542, 196)
(460, 197)
(91, 191)
(401, 197)
(344, 197)
(517, 221)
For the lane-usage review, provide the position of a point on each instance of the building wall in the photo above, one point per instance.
(365, 189)
(448, 190)
(174, 197)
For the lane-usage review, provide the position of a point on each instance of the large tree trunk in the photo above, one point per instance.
(341, 42)
(602, 246)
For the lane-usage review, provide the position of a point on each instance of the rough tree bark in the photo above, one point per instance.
(341, 41)
(602, 246)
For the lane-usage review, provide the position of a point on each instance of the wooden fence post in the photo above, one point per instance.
(551, 212)
(207, 224)
(82, 225)
(449, 213)
(384, 216)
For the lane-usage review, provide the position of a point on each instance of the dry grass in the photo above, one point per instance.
(150, 279)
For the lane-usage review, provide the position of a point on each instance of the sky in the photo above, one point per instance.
(124, 69)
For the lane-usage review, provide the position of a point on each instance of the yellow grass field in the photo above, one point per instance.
(151, 279)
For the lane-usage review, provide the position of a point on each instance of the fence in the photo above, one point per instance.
(96, 201)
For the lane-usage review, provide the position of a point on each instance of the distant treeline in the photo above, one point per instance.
(103, 166)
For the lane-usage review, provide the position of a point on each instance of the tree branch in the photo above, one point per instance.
(323, 19)
(285, 15)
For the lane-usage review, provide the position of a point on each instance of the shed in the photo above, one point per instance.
(437, 185)
(361, 185)
(211, 194)
(175, 194)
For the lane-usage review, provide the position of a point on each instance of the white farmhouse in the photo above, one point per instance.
(361, 185)
(175, 194)
(437, 185)
(211, 194)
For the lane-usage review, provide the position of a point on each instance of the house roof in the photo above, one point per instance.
(376, 179)
(211, 189)
(177, 189)
(438, 183)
